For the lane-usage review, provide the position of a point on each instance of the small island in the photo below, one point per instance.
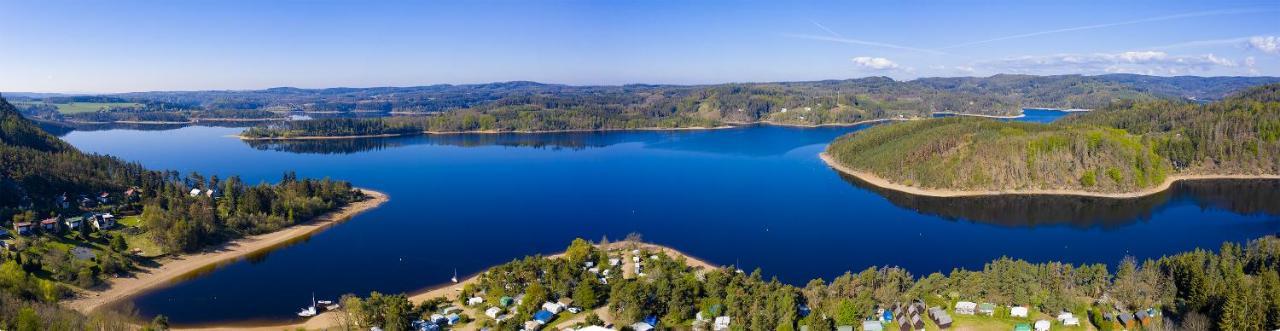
(1127, 149)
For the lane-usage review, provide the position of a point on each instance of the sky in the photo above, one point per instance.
(122, 46)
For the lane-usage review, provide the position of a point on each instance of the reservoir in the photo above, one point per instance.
(754, 196)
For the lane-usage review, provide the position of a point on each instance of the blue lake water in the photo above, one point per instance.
(756, 196)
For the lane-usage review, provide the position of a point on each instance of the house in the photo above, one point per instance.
(195, 192)
(104, 197)
(532, 325)
(917, 322)
(544, 316)
(23, 228)
(987, 309)
(1018, 311)
(966, 308)
(74, 223)
(475, 301)
(552, 307)
(492, 312)
(641, 326)
(104, 221)
(1126, 320)
(721, 323)
(940, 317)
(50, 225)
(872, 326)
(1143, 317)
(1064, 315)
(1042, 325)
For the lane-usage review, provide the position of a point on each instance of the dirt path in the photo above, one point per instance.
(116, 289)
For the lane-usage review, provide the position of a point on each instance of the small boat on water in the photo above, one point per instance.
(455, 275)
(309, 311)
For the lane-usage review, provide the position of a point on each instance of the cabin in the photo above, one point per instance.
(966, 308)
(532, 325)
(987, 309)
(492, 312)
(104, 221)
(74, 223)
(1071, 321)
(872, 326)
(565, 302)
(50, 225)
(1042, 325)
(940, 317)
(1143, 317)
(552, 307)
(23, 228)
(721, 323)
(1018, 311)
(1126, 320)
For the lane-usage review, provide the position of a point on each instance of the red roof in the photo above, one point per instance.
(49, 221)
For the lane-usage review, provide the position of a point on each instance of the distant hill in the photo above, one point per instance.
(1126, 147)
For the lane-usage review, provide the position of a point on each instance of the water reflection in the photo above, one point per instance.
(1246, 197)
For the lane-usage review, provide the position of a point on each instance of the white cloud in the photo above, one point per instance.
(1138, 62)
(1267, 44)
(874, 63)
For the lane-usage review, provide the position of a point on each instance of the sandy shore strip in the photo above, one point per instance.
(117, 289)
(946, 193)
(948, 113)
(330, 320)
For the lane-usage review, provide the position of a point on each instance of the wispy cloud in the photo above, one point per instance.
(874, 63)
(1266, 44)
(1107, 25)
(824, 28)
(862, 42)
(1138, 62)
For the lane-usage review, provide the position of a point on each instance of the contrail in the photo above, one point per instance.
(862, 42)
(824, 28)
(1107, 25)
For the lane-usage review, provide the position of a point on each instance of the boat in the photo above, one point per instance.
(328, 305)
(309, 311)
(455, 275)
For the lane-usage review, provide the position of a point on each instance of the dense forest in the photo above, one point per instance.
(528, 106)
(1236, 288)
(1126, 146)
(44, 178)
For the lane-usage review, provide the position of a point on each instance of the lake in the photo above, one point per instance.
(754, 196)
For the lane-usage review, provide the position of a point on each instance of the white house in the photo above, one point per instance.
(552, 307)
(493, 312)
(1042, 325)
(104, 221)
(721, 323)
(966, 308)
(1018, 311)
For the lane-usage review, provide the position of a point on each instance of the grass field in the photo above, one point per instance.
(83, 107)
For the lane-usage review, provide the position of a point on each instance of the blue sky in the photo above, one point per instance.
(116, 46)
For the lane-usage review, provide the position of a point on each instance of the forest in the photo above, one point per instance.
(1123, 147)
(529, 106)
(1235, 288)
(46, 178)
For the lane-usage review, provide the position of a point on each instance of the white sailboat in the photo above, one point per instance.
(455, 275)
(309, 311)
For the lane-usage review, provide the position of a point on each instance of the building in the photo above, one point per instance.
(544, 316)
(24, 228)
(987, 309)
(966, 308)
(492, 312)
(940, 317)
(195, 192)
(552, 307)
(1042, 325)
(565, 302)
(50, 225)
(74, 223)
(104, 221)
(1071, 321)
(1126, 320)
(475, 301)
(1018, 311)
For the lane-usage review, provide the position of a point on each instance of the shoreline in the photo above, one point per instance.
(327, 320)
(949, 193)
(425, 133)
(948, 113)
(171, 268)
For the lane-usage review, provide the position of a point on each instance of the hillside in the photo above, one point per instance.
(1126, 147)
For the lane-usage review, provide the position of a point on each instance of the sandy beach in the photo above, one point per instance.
(945, 193)
(329, 320)
(172, 268)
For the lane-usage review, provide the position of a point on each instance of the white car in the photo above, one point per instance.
(574, 310)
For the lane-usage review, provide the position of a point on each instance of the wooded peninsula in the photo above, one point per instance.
(1127, 147)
